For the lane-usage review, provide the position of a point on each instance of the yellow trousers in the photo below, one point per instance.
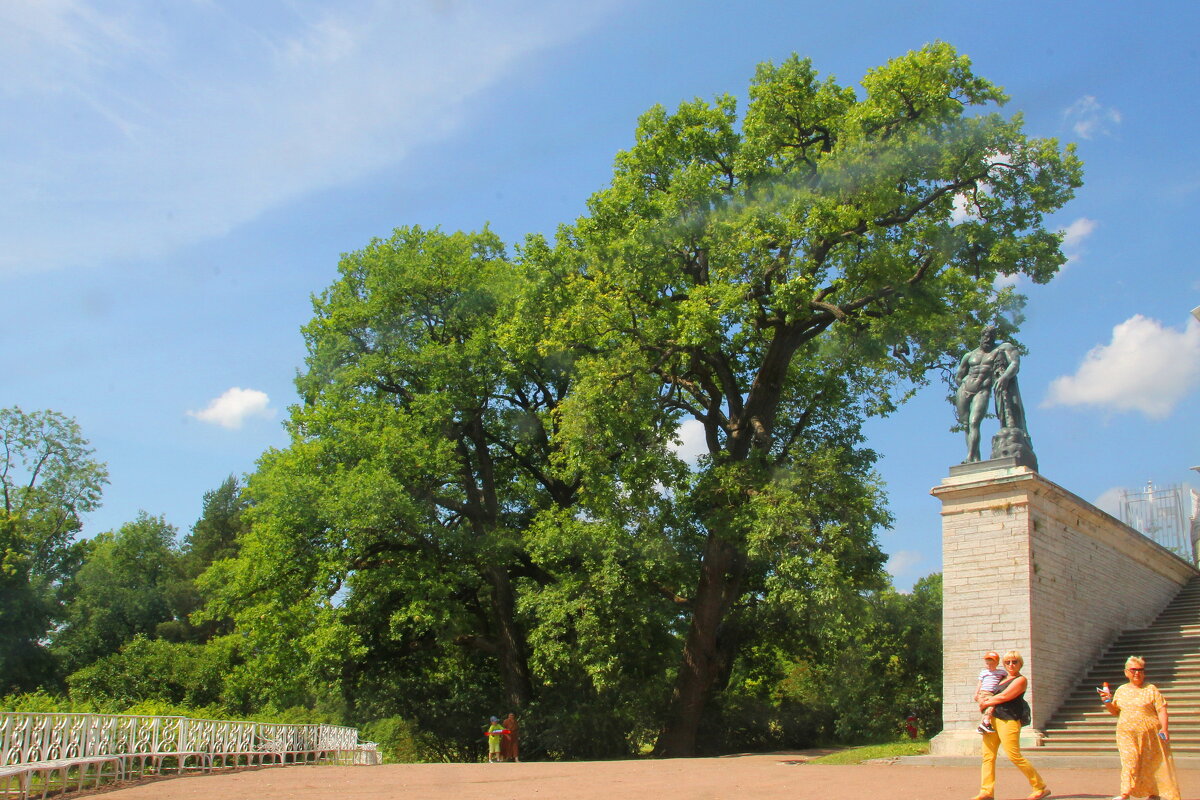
(1008, 733)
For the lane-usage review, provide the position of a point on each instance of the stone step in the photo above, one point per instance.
(1108, 726)
(1165, 683)
(1178, 740)
(1166, 644)
(1093, 711)
(1171, 665)
(1177, 691)
(1171, 647)
(1166, 636)
(1078, 710)
(1180, 693)
(1174, 621)
(1187, 630)
(1183, 675)
(1176, 699)
(1164, 639)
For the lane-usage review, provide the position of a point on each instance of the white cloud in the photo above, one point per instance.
(1077, 231)
(963, 209)
(1004, 281)
(1089, 118)
(904, 562)
(234, 407)
(1074, 235)
(133, 129)
(965, 206)
(1147, 367)
(690, 443)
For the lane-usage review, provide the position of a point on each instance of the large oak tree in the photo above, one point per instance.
(784, 274)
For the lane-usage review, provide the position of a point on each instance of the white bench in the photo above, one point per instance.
(24, 773)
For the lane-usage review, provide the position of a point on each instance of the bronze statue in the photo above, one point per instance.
(991, 369)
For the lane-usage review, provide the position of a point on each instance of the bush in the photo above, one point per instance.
(398, 739)
(38, 702)
(153, 672)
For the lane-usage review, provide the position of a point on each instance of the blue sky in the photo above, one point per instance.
(176, 180)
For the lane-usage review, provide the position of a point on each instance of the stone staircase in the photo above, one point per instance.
(1171, 647)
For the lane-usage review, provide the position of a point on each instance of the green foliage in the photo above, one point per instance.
(214, 536)
(121, 590)
(422, 546)
(398, 739)
(780, 281)
(154, 671)
(881, 669)
(36, 702)
(47, 480)
(877, 660)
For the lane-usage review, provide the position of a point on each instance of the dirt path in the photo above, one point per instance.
(779, 776)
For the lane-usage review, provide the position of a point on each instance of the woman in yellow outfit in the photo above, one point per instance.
(1142, 736)
(1007, 701)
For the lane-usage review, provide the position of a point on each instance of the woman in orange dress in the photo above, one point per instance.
(1142, 736)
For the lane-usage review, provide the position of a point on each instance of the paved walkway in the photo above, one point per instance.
(778, 776)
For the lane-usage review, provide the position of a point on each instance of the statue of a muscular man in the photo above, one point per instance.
(991, 369)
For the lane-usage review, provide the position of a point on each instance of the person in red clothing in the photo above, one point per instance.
(509, 748)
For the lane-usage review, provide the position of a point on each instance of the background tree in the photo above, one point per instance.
(424, 520)
(781, 280)
(872, 675)
(396, 501)
(214, 537)
(48, 478)
(872, 668)
(121, 590)
(215, 534)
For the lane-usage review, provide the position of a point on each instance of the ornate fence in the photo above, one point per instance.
(52, 752)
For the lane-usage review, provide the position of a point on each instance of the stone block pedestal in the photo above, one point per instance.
(1029, 566)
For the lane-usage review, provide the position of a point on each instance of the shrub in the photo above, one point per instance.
(398, 739)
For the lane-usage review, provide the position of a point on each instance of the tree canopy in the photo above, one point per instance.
(48, 479)
(120, 590)
(781, 279)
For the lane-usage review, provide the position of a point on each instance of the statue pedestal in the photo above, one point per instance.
(1028, 566)
(1014, 443)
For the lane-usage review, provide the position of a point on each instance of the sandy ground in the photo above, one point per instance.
(777, 776)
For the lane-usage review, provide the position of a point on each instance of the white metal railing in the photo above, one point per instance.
(63, 749)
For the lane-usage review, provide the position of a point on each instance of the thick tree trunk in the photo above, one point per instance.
(510, 641)
(704, 660)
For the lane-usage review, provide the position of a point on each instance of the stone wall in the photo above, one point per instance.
(1029, 566)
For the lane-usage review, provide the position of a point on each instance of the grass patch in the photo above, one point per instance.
(857, 755)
